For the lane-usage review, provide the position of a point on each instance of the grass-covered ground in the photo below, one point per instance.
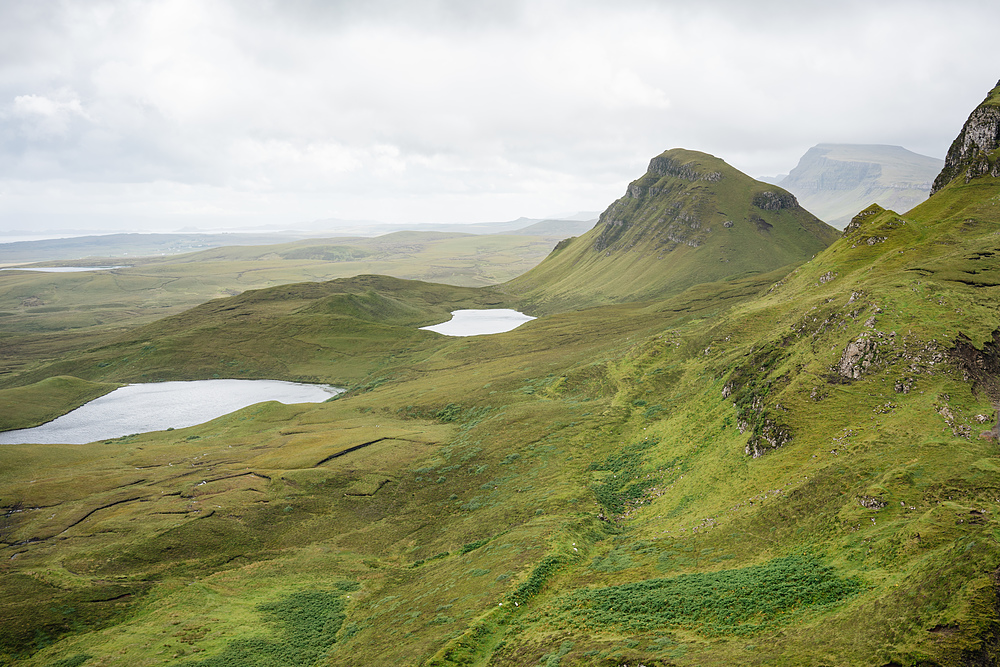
(799, 468)
(43, 316)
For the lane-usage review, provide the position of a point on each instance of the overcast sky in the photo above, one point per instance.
(165, 114)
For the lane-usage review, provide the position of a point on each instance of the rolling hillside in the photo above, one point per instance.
(44, 316)
(793, 468)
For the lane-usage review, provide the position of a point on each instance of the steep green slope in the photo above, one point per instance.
(690, 219)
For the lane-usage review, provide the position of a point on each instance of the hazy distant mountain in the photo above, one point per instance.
(836, 181)
(583, 216)
(563, 227)
(131, 245)
(143, 245)
(520, 226)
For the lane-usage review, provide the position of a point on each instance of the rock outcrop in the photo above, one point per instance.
(974, 151)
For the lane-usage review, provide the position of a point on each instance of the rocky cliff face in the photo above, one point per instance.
(815, 171)
(974, 151)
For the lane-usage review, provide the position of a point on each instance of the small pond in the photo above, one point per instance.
(139, 408)
(480, 322)
(63, 269)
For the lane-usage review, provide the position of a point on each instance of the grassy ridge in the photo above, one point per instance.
(44, 316)
(338, 331)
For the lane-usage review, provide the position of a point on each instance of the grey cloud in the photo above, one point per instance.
(527, 106)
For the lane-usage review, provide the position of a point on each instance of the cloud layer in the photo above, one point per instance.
(167, 113)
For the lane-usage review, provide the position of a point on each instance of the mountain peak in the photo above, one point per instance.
(690, 219)
(675, 204)
(974, 152)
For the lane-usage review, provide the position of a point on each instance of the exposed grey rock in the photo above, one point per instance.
(664, 166)
(774, 200)
(635, 191)
(872, 502)
(969, 153)
(772, 436)
(858, 357)
(860, 218)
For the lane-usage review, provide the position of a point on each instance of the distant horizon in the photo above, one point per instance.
(13, 236)
(311, 226)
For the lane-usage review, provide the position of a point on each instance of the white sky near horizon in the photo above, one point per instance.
(158, 115)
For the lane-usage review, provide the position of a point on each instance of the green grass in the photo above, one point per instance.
(471, 518)
(307, 624)
(624, 485)
(697, 221)
(24, 407)
(724, 603)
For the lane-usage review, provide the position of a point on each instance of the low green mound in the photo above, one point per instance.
(24, 407)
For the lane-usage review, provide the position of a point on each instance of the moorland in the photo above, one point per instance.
(733, 435)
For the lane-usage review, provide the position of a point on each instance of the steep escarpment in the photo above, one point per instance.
(974, 152)
(691, 219)
(835, 181)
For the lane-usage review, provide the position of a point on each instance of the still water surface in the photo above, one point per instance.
(479, 322)
(138, 408)
(63, 269)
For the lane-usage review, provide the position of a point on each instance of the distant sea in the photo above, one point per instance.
(39, 237)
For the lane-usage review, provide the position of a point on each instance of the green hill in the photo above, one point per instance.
(336, 331)
(690, 219)
(45, 316)
(795, 468)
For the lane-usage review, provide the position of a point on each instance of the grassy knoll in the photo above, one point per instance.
(339, 331)
(24, 407)
(44, 316)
